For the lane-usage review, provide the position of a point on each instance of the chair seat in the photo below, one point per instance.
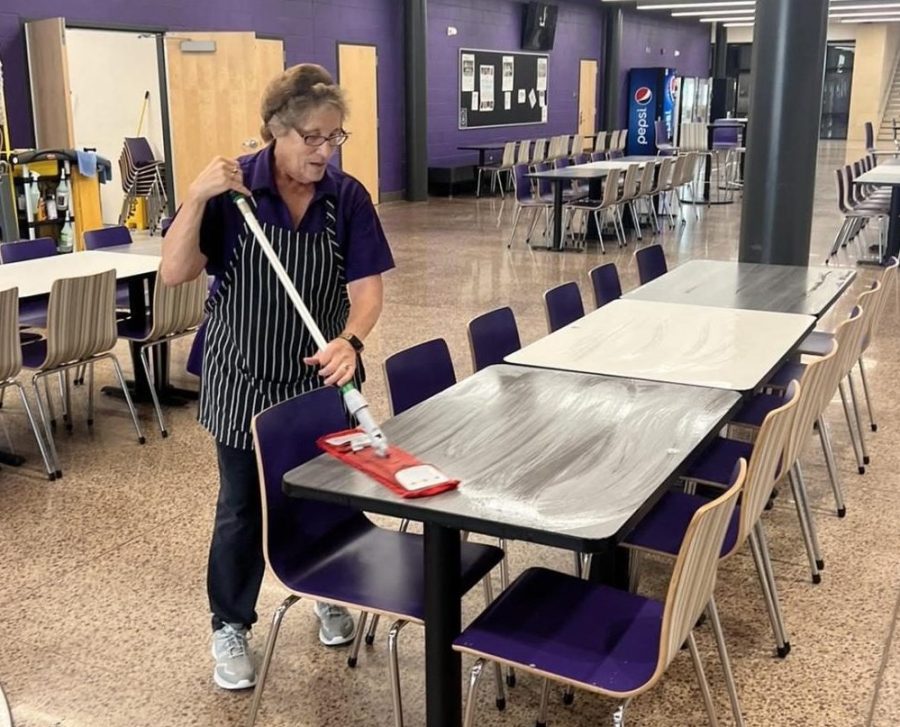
(133, 329)
(584, 632)
(376, 569)
(123, 299)
(33, 313)
(662, 530)
(34, 353)
(817, 343)
(716, 463)
(757, 408)
(789, 371)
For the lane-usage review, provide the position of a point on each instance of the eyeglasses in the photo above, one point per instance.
(336, 139)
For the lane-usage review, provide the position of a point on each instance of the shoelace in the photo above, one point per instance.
(331, 611)
(234, 642)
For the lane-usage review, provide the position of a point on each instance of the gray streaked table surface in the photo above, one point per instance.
(749, 286)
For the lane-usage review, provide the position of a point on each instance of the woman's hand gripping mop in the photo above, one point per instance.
(366, 450)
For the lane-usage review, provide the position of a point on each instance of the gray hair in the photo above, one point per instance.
(293, 95)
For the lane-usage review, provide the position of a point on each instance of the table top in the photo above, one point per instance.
(751, 286)
(682, 344)
(145, 246)
(593, 170)
(552, 457)
(35, 277)
(886, 173)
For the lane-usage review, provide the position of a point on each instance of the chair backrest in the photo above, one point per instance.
(870, 136)
(676, 179)
(139, 152)
(887, 280)
(177, 308)
(15, 252)
(296, 530)
(540, 151)
(577, 144)
(524, 192)
(662, 132)
(509, 154)
(725, 137)
(545, 188)
(523, 154)
(766, 466)
(606, 284)
(563, 305)
(630, 185)
(694, 574)
(868, 301)
(492, 337)
(81, 318)
(651, 262)
(107, 237)
(623, 139)
(10, 347)
(817, 377)
(848, 336)
(645, 186)
(418, 373)
(600, 144)
(842, 194)
(611, 188)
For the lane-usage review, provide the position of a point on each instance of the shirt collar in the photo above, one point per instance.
(262, 178)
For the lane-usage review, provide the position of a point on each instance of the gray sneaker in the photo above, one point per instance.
(234, 664)
(337, 625)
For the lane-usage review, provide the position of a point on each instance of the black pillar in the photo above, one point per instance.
(788, 64)
(416, 109)
(720, 59)
(611, 68)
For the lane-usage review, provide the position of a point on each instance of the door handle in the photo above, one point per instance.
(250, 143)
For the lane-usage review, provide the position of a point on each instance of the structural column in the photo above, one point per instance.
(720, 57)
(416, 96)
(789, 40)
(611, 68)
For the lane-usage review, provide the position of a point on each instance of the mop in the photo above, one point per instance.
(366, 450)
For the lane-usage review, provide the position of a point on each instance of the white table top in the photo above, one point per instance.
(146, 246)
(886, 173)
(35, 277)
(672, 342)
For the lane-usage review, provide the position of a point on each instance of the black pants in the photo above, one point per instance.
(236, 563)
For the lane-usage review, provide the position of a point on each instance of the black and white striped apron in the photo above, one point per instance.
(256, 340)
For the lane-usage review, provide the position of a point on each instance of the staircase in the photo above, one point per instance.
(891, 110)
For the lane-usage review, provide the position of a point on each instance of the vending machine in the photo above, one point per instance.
(651, 95)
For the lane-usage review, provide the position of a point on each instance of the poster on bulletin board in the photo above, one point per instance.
(502, 88)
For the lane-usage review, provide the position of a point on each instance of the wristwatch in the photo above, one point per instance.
(358, 345)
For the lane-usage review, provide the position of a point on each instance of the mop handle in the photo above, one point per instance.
(285, 279)
(143, 109)
(353, 398)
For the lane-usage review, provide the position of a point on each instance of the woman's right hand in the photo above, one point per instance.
(221, 175)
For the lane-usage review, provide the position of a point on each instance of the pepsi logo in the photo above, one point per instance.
(643, 96)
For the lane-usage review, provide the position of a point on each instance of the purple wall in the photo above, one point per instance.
(310, 28)
(663, 36)
(497, 25)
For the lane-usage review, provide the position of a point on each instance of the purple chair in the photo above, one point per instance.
(32, 313)
(563, 305)
(609, 641)
(598, 156)
(606, 284)
(335, 554)
(111, 237)
(492, 337)
(651, 262)
(418, 373)
(525, 199)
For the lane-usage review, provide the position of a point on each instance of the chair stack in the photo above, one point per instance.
(142, 178)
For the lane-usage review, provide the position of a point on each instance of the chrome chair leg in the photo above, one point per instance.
(471, 699)
(134, 418)
(825, 439)
(67, 390)
(512, 235)
(859, 427)
(90, 390)
(358, 638)
(267, 658)
(716, 624)
(394, 663)
(759, 551)
(45, 455)
(810, 518)
(805, 527)
(701, 677)
(862, 374)
(861, 468)
(145, 362)
(50, 412)
(545, 702)
(45, 420)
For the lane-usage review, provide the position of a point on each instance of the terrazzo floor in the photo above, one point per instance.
(103, 610)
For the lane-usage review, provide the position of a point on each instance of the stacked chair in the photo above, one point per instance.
(142, 178)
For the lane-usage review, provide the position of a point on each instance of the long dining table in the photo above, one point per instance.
(563, 459)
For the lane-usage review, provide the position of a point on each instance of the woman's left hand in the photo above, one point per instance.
(337, 362)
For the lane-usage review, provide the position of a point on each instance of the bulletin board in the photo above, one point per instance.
(502, 88)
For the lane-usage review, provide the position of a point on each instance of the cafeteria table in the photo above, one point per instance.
(886, 174)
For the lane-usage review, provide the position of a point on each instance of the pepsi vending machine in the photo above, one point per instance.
(651, 96)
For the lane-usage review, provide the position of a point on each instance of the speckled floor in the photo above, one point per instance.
(103, 609)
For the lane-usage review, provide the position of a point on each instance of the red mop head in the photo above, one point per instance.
(399, 471)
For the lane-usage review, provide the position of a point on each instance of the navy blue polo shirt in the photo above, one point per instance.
(359, 233)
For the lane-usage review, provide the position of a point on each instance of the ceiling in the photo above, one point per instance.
(737, 13)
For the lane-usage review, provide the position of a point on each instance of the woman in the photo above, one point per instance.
(324, 229)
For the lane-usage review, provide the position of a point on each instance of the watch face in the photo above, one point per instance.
(356, 343)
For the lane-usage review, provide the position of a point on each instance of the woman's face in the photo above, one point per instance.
(298, 160)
